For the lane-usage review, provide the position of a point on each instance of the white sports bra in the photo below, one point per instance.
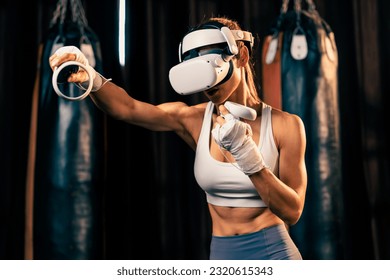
(223, 182)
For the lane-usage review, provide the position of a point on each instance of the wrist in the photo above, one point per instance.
(248, 157)
(98, 81)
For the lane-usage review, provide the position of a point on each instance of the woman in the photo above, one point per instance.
(252, 170)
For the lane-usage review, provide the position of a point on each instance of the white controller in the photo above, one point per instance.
(240, 111)
(57, 77)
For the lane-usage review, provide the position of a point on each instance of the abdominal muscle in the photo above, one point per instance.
(228, 221)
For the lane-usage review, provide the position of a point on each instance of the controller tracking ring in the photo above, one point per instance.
(56, 72)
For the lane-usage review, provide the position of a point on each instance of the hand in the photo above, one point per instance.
(236, 137)
(230, 132)
(72, 53)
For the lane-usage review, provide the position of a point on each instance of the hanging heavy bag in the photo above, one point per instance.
(271, 67)
(69, 163)
(309, 88)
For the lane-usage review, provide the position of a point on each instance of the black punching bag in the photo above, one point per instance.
(309, 88)
(69, 162)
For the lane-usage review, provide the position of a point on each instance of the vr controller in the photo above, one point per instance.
(240, 111)
(61, 74)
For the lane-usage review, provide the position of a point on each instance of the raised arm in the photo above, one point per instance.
(116, 102)
(285, 195)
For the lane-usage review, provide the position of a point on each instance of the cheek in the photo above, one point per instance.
(229, 86)
(235, 78)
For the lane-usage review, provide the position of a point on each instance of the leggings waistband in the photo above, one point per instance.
(267, 244)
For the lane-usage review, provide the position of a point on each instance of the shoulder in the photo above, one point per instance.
(286, 118)
(190, 119)
(183, 110)
(190, 116)
(287, 126)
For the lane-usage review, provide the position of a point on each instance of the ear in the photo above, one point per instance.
(244, 56)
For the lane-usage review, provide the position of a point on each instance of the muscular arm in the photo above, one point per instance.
(172, 116)
(116, 102)
(285, 195)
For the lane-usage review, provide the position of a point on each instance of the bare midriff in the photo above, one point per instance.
(229, 221)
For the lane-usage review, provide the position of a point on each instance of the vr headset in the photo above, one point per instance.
(205, 55)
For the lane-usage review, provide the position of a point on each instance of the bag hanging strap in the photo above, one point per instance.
(298, 47)
(327, 43)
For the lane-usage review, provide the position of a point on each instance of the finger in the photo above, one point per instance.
(223, 110)
(228, 117)
(79, 77)
(220, 120)
(56, 60)
(53, 61)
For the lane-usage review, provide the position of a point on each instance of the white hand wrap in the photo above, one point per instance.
(235, 136)
(98, 79)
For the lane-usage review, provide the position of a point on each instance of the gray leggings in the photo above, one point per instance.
(272, 243)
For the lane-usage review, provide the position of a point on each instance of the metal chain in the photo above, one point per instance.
(59, 13)
(311, 5)
(298, 10)
(298, 5)
(77, 13)
(284, 7)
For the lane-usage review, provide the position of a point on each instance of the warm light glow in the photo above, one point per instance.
(122, 25)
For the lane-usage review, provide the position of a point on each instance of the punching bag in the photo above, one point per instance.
(307, 86)
(68, 158)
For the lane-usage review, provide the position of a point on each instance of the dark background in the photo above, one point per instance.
(152, 206)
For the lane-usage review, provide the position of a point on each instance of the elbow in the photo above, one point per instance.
(294, 211)
(295, 214)
(293, 217)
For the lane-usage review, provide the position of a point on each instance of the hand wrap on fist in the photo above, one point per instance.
(235, 136)
(98, 79)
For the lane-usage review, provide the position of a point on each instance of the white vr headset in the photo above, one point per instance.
(202, 67)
